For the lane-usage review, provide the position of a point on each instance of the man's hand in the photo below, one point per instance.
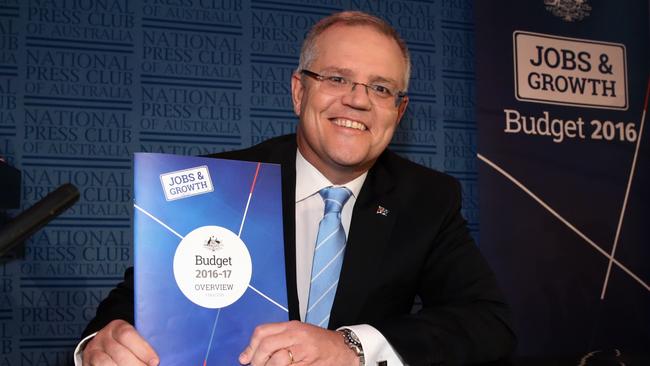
(297, 343)
(119, 343)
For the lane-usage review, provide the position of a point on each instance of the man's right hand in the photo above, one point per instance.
(118, 343)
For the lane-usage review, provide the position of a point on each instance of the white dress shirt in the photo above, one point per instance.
(309, 212)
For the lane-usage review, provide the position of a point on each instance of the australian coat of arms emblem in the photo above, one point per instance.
(213, 243)
(568, 10)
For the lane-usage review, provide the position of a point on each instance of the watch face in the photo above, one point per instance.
(352, 341)
(349, 336)
(355, 338)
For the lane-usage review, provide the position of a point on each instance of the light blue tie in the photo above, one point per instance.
(328, 256)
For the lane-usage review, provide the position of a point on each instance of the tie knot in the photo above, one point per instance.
(334, 198)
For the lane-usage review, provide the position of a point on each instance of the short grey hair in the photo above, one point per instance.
(309, 51)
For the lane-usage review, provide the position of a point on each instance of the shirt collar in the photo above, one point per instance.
(309, 180)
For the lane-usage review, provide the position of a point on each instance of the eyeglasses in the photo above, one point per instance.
(338, 85)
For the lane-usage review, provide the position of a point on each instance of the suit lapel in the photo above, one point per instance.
(372, 222)
(287, 159)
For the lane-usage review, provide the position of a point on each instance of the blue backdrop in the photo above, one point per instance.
(86, 83)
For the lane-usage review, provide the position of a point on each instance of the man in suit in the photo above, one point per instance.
(405, 234)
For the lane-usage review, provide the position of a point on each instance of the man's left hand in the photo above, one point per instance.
(298, 343)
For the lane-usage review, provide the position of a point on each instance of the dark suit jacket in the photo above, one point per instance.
(421, 247)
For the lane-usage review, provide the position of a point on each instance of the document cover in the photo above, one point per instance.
(209, 255)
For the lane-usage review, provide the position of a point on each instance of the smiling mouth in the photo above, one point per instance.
(342, 122)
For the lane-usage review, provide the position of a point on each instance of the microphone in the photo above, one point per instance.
(37, 216)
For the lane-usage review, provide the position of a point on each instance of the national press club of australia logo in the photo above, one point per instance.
(568, 10)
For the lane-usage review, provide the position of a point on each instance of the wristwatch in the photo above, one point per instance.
(352, 341)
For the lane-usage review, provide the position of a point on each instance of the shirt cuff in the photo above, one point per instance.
(79, 351)
(375, 346)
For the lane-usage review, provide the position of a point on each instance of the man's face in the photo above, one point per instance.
(342, 136)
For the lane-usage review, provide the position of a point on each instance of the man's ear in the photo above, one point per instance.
(297, 91)
(401, 109)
